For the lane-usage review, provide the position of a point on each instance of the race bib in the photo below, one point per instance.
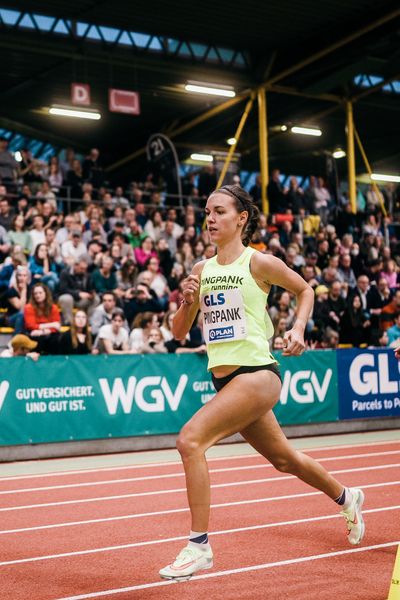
(224, 318)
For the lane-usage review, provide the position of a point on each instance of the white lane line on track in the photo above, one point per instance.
(209, 459)
(280, 563)
(179, 490)
(181, 510)
(265, 465)
(184, 537)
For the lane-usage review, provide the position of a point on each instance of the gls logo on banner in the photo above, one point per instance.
(135, 389)
(304, 387)
(4, 385)
(375, 381)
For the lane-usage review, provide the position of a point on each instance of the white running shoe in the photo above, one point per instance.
(354, 519)
(189, 561)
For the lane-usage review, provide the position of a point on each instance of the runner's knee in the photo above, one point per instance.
(188, 444)
(288, 463)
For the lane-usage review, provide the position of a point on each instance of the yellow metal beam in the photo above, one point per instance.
(329, 49)
(368, 167)
(237, 135)
(351, 163)
(263, 143)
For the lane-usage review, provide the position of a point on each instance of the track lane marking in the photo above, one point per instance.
(280, 563)
(185, 537)
(180, 474)
(172, 463)
(180, 510)
(179, 490)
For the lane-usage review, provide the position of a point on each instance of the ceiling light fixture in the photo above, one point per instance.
(383, 177)
(202, 157)
(339, 153)
(209, 89)
(283, 127)
(307, 131)
(231, 141)
(72, 112)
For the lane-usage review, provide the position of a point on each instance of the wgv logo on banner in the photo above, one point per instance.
(149, 393)
(369, 384)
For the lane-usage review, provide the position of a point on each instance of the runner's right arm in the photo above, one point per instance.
(189, 308)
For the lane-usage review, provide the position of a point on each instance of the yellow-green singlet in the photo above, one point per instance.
(236, 324)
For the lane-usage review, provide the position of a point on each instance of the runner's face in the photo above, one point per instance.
(223, 219)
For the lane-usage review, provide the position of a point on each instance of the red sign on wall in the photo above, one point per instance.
(80, 94)
(123, 101)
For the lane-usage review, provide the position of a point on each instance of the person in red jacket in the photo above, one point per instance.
(42, 318)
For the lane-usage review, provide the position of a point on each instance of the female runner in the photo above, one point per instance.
(232, 289)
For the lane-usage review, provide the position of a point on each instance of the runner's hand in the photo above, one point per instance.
(397, 352)
(190, 288)
(293, 343)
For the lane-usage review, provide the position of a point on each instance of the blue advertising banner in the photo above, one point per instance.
(369, 383)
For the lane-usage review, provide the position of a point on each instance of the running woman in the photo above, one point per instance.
(231, 289)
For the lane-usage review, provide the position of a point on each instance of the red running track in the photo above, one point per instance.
(104, 533)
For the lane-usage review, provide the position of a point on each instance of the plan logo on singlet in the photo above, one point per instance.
(222, 333)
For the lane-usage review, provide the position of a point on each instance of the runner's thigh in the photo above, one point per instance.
(241, 402)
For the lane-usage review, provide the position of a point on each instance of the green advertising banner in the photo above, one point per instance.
(96, 397)
(309, 388)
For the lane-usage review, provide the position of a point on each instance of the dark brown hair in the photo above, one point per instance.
(243, 202)
(48, 302)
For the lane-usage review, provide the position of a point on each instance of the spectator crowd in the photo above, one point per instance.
(102, 273)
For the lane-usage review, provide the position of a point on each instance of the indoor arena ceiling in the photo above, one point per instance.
(312, 55)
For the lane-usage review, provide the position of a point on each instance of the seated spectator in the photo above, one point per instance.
(37, 232)
(74, 248)
(102, 313)
(390, 273)
(321, 311)
(337, 305)
(141, 326)
(282, 309)
(126, 279)
(16, 259)
(6, 213)
(78, 339)
(42, 318)
(157, 282)
(345, 272)
(154, 225)
(277, 343)
(177, 274)
(154, 343)
(379, 339)
(390, 312)
(15, 298)
(76, 290)
(104, 278)
(95, 231)
(113, 338)
(186, 346)
(166, 326)
(165, 257)
(74, 179)
(43, 268)
(135, 234)
(143, 300)
(21, 345)
(18, 235)
(4, 244)
(64, 233)
(119, 200)
(394, 333)
(53, 247)
(355, 324)
(144, 252)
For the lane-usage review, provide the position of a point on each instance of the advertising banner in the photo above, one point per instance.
(96, 397)
(369, 383)
(309, 388)
(89, 397)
